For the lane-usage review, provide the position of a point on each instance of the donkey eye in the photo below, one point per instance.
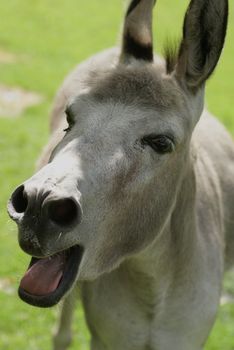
(159, 143)
(70, 119)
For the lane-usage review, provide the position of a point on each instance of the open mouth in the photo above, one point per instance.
(48, 279)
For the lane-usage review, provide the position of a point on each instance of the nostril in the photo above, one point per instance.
(63, 211)
(19, 200)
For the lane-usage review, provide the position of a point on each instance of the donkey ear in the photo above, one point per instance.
(204, 33)
(137, 35)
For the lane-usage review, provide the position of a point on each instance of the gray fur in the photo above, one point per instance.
(172, 287)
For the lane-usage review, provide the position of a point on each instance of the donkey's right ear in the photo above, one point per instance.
(137, 34)
(204, 33)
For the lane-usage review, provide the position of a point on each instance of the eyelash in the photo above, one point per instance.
(67, 129)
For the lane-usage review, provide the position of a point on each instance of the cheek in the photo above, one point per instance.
(137, 218)
(134, 210)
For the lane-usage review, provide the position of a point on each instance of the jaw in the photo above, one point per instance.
(47, 280)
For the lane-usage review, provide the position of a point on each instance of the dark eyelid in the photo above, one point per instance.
(166, 134)
(69, 114)
(68, 110)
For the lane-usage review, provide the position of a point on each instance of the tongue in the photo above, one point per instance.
(44, 276)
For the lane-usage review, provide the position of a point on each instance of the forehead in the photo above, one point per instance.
(142, 98)
(139, 85)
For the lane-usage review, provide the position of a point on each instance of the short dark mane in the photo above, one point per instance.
(171, 52)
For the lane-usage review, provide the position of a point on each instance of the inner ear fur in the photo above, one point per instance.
(204, 34)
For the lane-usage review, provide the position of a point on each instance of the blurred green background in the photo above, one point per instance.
(40, 41)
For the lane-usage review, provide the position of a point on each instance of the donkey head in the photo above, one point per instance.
(111, 184)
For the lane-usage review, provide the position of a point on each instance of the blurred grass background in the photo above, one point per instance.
(48, 37)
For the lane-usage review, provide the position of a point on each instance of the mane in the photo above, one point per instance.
(171, 53)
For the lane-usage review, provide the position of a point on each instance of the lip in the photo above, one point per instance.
(73, 259)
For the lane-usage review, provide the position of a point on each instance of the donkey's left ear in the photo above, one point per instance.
(137, 35)
(204, 33)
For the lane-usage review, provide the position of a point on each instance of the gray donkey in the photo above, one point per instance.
(134, 199)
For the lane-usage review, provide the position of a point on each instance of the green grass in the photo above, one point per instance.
(52, 36)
